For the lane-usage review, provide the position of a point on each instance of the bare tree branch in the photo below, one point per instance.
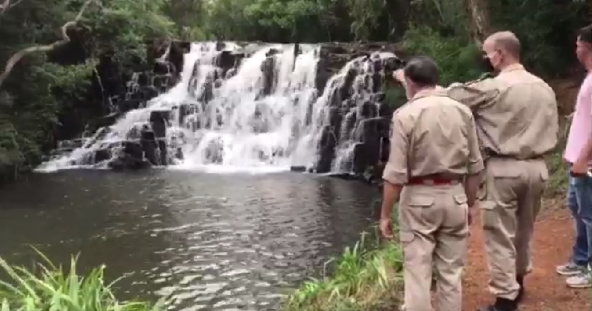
(6, 5)
(15, 58)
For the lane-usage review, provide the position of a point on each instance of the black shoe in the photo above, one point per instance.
(520, 280)
(502, 304)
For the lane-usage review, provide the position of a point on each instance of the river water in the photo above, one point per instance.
(203, 241)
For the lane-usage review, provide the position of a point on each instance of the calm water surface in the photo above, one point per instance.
(203, 241)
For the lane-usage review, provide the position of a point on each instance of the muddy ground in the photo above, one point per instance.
(545, 290)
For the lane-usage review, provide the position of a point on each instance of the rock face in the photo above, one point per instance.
(351, 76)
(115, 87)
(360, 130)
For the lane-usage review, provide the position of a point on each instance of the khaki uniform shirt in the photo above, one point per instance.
(516, 113)
(432, 134)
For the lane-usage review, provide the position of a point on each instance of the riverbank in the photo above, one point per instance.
(319, 295)
(47, 286)
(368, 272)
(366, 277)
(546, 291)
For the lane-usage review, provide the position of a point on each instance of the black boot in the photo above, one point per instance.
(520, 280)
(502, 304)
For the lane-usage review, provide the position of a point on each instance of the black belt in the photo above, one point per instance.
(513, 157)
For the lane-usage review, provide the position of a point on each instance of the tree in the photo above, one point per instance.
(480, 26)
(14, 59)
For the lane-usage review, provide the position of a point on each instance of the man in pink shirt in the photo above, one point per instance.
(578, 153)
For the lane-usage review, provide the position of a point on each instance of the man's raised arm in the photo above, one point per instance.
(475, 94)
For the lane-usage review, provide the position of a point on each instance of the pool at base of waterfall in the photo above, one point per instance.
(201, 241)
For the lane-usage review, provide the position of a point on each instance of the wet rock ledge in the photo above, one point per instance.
(364, 125)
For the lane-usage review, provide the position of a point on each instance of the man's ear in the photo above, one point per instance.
(410, 85)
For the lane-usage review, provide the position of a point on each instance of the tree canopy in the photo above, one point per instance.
(50, 49)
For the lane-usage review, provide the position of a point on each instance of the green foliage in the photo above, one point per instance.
(456, 57)
(547, 30)
(38, 91)
(42, 88)
(365, 16)
(115, 28)
(284, 16)
(394, 96)
(364, 277)
(188, 16)
(51, 287)
(558, 181)
(448, 16)
(293, 20)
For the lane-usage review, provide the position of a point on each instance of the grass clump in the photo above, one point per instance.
(558, 178)
(48, 287)
(364, 277)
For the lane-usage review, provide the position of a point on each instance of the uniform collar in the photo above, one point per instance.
(428, 92)
(513, 67)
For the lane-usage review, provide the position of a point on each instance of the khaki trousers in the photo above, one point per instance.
(513, 191)
(434, 234)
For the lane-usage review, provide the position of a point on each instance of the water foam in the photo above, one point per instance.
(237, 123)
(255, 133)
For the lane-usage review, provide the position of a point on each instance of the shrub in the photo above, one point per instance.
(54, 288)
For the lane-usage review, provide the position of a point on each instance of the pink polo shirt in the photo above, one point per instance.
(581, 128)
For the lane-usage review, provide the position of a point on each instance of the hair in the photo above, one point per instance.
(585, 34)
(422, 71)
(507, 41)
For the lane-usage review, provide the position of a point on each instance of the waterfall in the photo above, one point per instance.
(242, 108)
(364, 88)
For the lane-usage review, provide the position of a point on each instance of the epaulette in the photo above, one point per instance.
(483, 76)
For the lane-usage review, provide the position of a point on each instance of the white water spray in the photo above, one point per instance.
(239, 128)
(261, 113)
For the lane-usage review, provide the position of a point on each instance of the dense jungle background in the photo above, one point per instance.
(59, 58)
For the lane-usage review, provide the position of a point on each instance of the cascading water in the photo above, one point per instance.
(364, 88)
(252, 120)
(242, 108)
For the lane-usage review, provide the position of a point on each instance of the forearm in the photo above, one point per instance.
(471, 185)
(390, 196)
(474, 95)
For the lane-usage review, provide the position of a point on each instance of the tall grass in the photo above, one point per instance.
(48, 287)
(364, 277)
(558, 180)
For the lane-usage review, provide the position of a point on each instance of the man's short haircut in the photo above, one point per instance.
(507, 41)
(422, 71)
(585, 34)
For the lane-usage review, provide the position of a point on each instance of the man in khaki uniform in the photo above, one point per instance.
(516, 116)
(434, 147)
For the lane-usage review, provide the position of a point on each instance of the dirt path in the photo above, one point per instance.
(545, 290)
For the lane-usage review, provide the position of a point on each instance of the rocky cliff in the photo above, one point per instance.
(351, 78)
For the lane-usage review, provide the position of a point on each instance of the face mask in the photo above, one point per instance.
(486, 65)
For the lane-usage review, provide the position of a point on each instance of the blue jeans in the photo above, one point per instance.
(579, 200)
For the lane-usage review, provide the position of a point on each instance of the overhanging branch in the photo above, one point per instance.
(6, 5)
(15, 58)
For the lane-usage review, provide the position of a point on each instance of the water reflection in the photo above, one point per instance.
(211, 242)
